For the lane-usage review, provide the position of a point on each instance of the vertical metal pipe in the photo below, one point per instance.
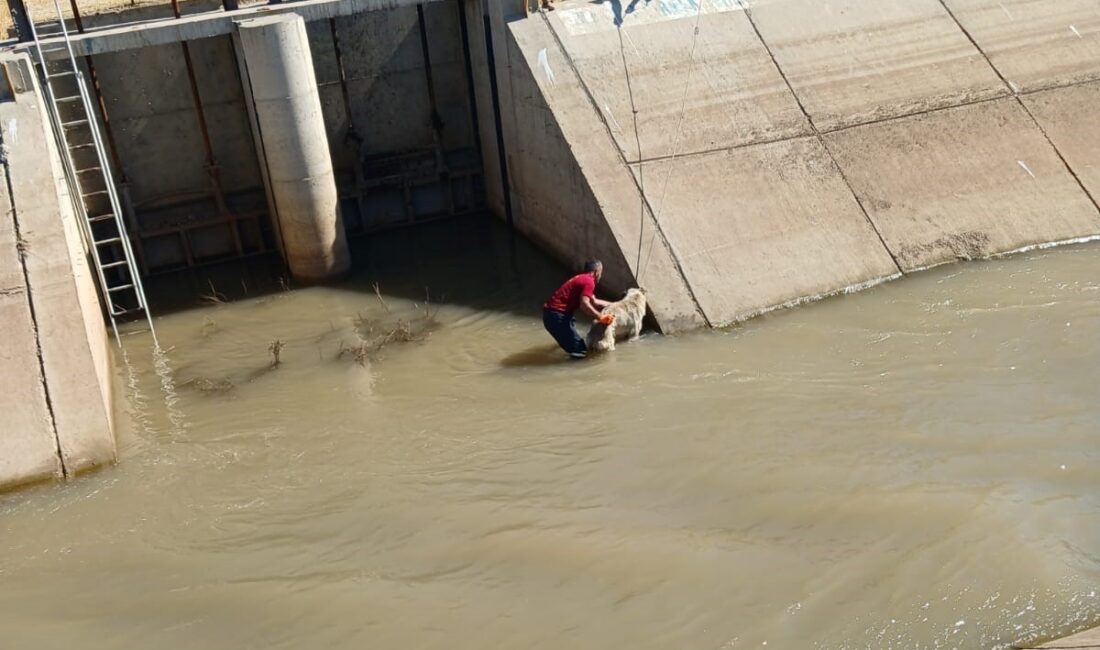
(497, 123)
(197, 98)
(21, 19)
(437, 122)
(352, 139)
(352, 134)
(101, 103)
(199, 112)
(470, 89)
(204, 128)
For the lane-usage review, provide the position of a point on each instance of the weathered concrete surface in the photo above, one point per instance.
(745, 250)
(479, 15)
(72, 345)
(387, 80)
(853, 61)
(934, 160)
(149, 100)
(28, 447)
(963, 183)
(218, 23)
(1069, 118)
(1087, 640)
(735, 95)
(582, 201)
(1036, 43)
(283, 88)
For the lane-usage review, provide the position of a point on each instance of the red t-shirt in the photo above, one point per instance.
(567, 299)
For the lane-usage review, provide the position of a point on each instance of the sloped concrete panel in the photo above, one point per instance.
(855, 61)
(28, 446)
(1071, 118)
(67, 317)
(1036, 43)
(963, 183)
(729, 94)
(572, 192)
(761, 226)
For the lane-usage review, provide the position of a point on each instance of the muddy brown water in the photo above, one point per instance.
(914, 466)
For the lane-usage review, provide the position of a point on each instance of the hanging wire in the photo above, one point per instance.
(676, 143)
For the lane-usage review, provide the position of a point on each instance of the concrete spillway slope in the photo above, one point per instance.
(792, 148)
(55, 389)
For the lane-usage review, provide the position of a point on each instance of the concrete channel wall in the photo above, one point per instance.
(789, 149)
(395, 105)
(731, 156)
(55, 391)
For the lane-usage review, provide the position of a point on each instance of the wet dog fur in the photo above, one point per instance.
(628, 314)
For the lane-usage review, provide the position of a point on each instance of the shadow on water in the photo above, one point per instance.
(537, 357)
(464, 261)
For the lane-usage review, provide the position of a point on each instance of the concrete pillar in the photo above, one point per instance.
(277, 72)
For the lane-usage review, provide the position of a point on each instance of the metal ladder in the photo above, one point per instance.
(88, 174)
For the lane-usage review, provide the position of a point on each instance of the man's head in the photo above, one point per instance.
(595, 267)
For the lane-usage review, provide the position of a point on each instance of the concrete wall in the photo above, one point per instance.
(163, 160)
(387, 84)
(181, 204)
(390, 109)
(56, 390)
(788, 149)
(156, 127)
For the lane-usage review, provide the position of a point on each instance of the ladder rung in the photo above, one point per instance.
(89, 169)
(112, 240)
(101, 217)
(114, 265)
(73, 147)
(70, 98)
(120, 312)
(97, 192)
(65, 73)
(73, 123)
(121, 287)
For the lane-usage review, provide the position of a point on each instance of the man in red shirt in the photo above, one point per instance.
(578, 292)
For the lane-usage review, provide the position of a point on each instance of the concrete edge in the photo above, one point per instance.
(73, 341)
(205, 25)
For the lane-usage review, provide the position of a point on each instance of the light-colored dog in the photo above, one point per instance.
(628, 314)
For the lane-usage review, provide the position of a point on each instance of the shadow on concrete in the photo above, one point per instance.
(617, 8)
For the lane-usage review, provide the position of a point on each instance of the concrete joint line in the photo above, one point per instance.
(820, 139)
(622, 158)
(26, 289)
(927, 111)
(735, 147)
(1015, 93)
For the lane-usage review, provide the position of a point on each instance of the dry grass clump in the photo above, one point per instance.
(204, 385)
(275, 348)
(375, 334)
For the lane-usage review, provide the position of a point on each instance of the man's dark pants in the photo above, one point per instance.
(563, 327)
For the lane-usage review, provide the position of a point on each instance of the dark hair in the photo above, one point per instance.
(592, 265)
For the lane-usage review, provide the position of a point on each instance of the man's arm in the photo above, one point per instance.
(590, 306)
(600, 303)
